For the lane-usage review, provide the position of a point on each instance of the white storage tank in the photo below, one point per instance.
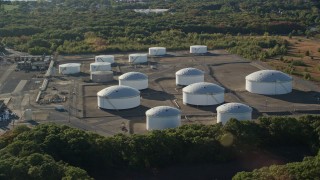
(69, 68)
(189, 76)
(269, 82)
(134, 79)
(118, 97)
(101, 76)
(157, 51)
(100, 66)
(163, 117)
(198, 49)
(237, 111)
(138, 58)
(104, 58)
(203, 94)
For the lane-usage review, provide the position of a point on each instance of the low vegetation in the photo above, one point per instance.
(60, 152)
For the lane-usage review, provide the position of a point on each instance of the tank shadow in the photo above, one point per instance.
(297, 96)
(152, 94)
(127, 113)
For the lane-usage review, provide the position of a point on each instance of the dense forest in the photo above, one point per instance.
(102, 26)
(50, 151)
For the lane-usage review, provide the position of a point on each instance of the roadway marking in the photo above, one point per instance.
(20, 86)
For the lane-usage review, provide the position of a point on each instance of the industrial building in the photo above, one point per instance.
(163, 117)
(269, 82)
(135, 80)
(189, 76)
(203, 94)
(118, 97)
(237, 111)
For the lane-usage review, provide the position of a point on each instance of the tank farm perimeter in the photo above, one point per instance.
(219, 67)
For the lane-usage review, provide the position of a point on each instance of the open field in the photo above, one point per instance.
(297, 61)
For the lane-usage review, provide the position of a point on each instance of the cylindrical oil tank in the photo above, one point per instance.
(237, 111)
(118, 97)
(157, 51)
(203, 94)
(69, 68)
(198, 49)
(138, 58)
(269, 82)
(163, 117)
(100, 66)
(189, 76)
(134, 79)
(104, 58)
(101, 76)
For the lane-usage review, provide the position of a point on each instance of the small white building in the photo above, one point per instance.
(237, 111)
(104, 58)
(203, 94)
(198, 49)
(101, 76)
(157, 51)
(163, 117)
(134, 79)
(189, 76)
(69, 68)
(100, 66)
(138, 58)
(269, 82)
(118, 97)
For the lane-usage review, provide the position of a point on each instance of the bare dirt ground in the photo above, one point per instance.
(297, 52)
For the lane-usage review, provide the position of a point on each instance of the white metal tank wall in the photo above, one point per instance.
(100, 66)
(198, 49)
(119, 103)
(224, 117)
(185, 80)
(159, 123)
(71, 68)
(269, 88)
(104, 58)
(138, 84)
(101, 76)
(157, 51)
(202, 99)
(138, 58)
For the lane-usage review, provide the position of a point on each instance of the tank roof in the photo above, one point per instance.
(234, 108)
(114, 92)
(163, 111)
(269, 76)
(189, 72)
(203, 88)
(132, 76)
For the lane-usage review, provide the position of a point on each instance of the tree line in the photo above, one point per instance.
(55, 152)
(109, 26)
